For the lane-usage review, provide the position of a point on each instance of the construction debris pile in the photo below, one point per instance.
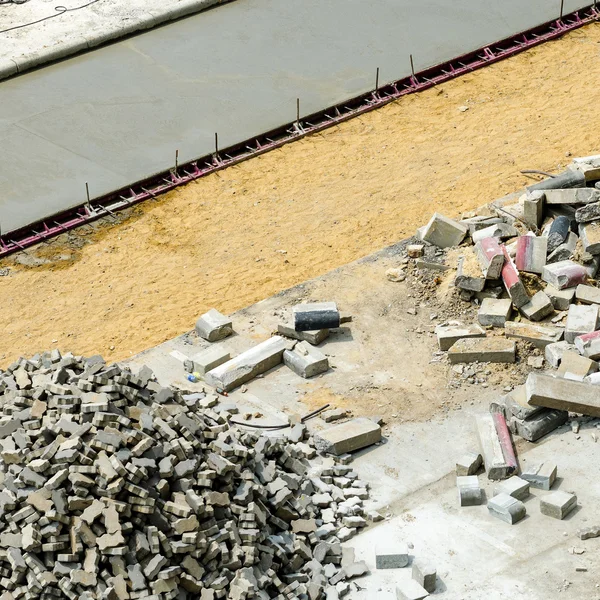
(528, 262)
(115, 488)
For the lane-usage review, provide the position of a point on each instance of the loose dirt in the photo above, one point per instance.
(248, 232)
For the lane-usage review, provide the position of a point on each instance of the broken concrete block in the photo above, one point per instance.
(469, 464)
(564, 274)
(249, 364)
(580, 195)
(213, 326)
(541, 476)
(448, 335)
(469, 492)
(496, 350)
(444, 232)
(590, 237)
(513, 486)
(561, 299)
(515, 403)
(531, 253)
(581, 320)
(494, 312)
(348, 437)
(558, 233)
(562, 394)
(576, 367)
(538, 425)
(501, 231)
(538, 307)
(588, 212)
(498, 459)
(315, 315)
(312, 337)
(512, 282)
(468, 272)
(587, 294)
(306, 360)
(391, 556)
(490, 256)
(410, 590)
(538, 335)
(533, 208)
(506, 508)
(415, 250)
(589, 345)
(424, 574)
(565, 250)
(558, 504)
(209, 359)
(553, 353)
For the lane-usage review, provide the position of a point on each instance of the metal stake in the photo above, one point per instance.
(562, 5)
(176, 161)
(216, 143)
(412, 66)
(298, 113)
(87, 192)
(377, 79)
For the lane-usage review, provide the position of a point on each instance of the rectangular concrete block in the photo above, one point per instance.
(468, 272)
(539, 307)
(495, 350)
(562, 394)
(424, 573)
(494, 312)
(531, 253)
(533, 208)
(490, 256)
(513, 486)
(214, 326)
(501, 231)
(541, 475)
(506, 508)
(587, 294)
(469, 491)
(541, 423)
(587, 213)
(209, 359)
(564, 274)
(588, 345)
(249, 364)
(494, 459)
(558, 504)
(561, 299)
(512, 282)
(576, 367)
(538, 335)
(581, 320)
(515, 403)
(469, 464)
(581, 195)
(553, 353)
(315, 315)
(448, 335)
(410, 590)
(444, 232)
(306, 360)
(391, 556)
(314, 337)
(348, 437)
(590, 237)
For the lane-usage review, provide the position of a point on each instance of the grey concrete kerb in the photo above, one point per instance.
(144, 20)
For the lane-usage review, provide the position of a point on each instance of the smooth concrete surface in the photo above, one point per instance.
(116, 115)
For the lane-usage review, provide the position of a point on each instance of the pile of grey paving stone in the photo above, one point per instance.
(114, 487)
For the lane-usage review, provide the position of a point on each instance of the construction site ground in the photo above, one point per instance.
(380, 366)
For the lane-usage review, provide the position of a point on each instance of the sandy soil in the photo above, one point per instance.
(248, 232)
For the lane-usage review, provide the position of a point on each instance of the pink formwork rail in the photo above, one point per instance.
(181, 174)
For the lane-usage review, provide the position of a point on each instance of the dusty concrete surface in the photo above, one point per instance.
(381, 366)
(118, 114)
(270, 223)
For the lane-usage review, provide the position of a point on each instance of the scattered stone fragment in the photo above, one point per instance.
(213, 326)
(542, 475)
(448, 335)
(558, 504)
(395, 275)
(414, 250)
(348, 437)
(444, 232)
(496, 350)
(554, 352)
(424, 574)
(561, 299)
(589, 345)
(469, 464)
(494, 312)
(513, 486)
(391, 556)
(538, 335)
(581, 320)
(506, 508)
(587, 533)
(468, 272)
(306, 360)
(334, 414)
(538, 307)
(577, 367)
(590, 237)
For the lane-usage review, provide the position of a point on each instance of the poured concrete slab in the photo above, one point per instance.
(116, 115)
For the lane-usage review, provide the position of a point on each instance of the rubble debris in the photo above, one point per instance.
(498, 458)
(213, 326)
(415, 250)
(409, 589)
(501, 231)
(587, 533)
(564, 274)
(538, 335)
(494, 312)
(589, 234)
(348, 437)
(531, 253)
(513, 486)
(580, 195)
(539, 424)
(391, 556)
(444, 232)
(587, 294)
(395, 275)
(118, 487)
(564, 251)
(469, 492)
(249, 364)
(512, 282)
(588, 345)
(541, 476)
(335, 414)
(533, 208)
(562, 394)
(538, 307)
(469, 464)
(314, 337)
(558, 504)
(554, 352)
(448, 335)
(468, 273)
(561, 299)
(306, 360)
(209, 359)
(495, 350)
(558, 233)
(315, 315)
(581, 319)
(506, 508)
(424, 574)
(576, 367)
